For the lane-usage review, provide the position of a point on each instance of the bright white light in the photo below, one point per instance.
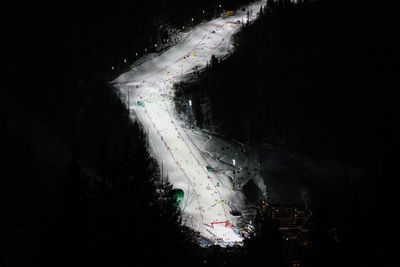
(234, 162)
(145, 50)
(192, 19)
(204, 12)
(112, 68)
(136, 54)
(125, 60)
(155, 45)
(219, 5)
(190, 102)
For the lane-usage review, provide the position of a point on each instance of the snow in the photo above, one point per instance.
(207, 193)
(224, 233)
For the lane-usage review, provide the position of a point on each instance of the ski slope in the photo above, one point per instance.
(148, 88)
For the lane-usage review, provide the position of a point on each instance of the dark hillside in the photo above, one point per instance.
(318, 78)
(304, 79)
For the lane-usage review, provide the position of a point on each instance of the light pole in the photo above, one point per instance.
(124, 64)
(219, 9)
(191, 113)
(234, 173)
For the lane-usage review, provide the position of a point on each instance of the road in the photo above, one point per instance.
(151, 84)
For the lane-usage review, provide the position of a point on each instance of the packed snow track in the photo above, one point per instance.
(148, 86)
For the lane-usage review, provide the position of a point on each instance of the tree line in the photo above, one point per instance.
(316, 77)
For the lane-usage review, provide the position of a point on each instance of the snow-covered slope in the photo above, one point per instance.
(149, 90)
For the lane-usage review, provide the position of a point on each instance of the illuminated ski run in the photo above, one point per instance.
(207, 194)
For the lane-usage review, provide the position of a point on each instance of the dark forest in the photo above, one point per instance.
(78, 185)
